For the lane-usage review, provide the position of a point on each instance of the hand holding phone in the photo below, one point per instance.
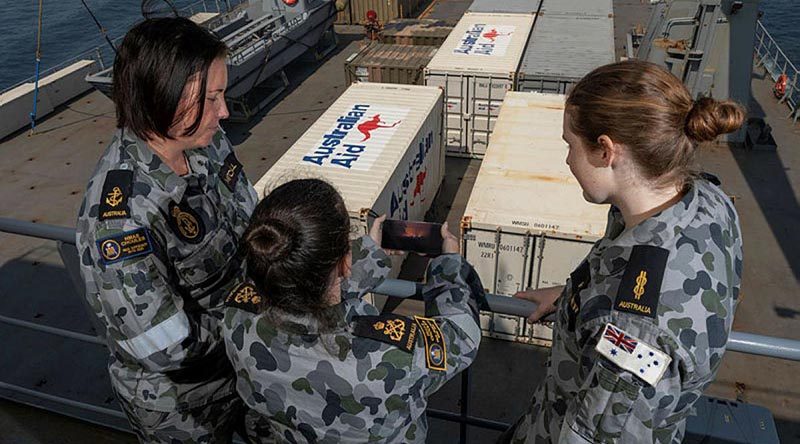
(419, 237)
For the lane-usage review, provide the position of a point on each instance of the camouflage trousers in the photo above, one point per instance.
(208, 424)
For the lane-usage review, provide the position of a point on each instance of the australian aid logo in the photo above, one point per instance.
(410, 191)
(357, 138)
(485, 40)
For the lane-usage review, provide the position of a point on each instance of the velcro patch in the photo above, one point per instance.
(579, 280)
(246, 297)
(640, 288)
(631, 354)
(396, 330)
(435, 348)
(116, 192)
(185, 222)
(125, 245)
(229, 173)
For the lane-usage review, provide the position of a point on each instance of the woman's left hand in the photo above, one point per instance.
(376, 233)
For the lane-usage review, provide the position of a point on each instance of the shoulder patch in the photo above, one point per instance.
(246, 297)
(435, 348)
(631, 354)
(185, 222)
(396, 330)
(116, 191)
(640, 288)
(125, 245)
(230, 171)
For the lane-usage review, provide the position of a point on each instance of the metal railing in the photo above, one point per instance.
(104, 55)
(738, 342)
(775, 62)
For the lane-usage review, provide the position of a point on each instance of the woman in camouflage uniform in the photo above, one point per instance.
(643, 321)
(158, 232)
(315, 362)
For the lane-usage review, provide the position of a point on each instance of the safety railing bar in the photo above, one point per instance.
(469, 420)
(59, 399)
(52, 330)
(41, 231)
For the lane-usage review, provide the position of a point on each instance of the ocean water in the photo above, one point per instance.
(68, 30)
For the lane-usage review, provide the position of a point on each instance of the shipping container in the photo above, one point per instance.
(380, 145)
(382, 63)
(526, 224)
(426, 32)
(570, 39)
(512, 6)
(476, 66)
(356, 10)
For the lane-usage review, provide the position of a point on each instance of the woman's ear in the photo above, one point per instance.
(345, 265)
(608, 152)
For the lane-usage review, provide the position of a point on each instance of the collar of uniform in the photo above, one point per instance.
(173, 184)
(308, 324)
(657, 231)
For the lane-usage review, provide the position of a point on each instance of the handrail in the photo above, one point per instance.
(772, 58)
(769, 346)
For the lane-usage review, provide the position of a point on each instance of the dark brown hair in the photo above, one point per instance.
(298, 235)
(156, 60)
(647, 109)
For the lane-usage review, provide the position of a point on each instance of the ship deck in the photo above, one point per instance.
(42, 178)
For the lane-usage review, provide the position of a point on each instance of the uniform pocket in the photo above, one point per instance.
(606, 405)
(209, 262)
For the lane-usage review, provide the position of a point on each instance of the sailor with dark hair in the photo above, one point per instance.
(316, 362)
(158, 231)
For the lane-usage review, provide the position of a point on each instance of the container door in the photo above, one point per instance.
(503, 262)
(554, 260)
(455, 109)
(488, 95)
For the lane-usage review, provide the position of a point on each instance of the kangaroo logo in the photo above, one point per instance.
(493, 34)
(372, 124)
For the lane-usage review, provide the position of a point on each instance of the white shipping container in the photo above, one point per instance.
(380, 145)
(527, 224)
(476, 66)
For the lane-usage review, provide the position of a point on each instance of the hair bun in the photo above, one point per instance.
(709, 118)
(272, 240)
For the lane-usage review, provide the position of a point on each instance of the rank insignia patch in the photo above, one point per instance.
(391, 329)
(229, 173)
(435, 348)
(125, 245)
(579, 280)
(116, 191)
(640, 287)
(185, 223)
(246, 297)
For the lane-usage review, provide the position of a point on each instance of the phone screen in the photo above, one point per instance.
(419, 237)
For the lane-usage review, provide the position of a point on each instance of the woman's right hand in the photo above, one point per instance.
(544, 298)
(450, 244)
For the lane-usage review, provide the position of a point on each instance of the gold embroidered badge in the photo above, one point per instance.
(115, 197)
(641, 281)
(186, 223)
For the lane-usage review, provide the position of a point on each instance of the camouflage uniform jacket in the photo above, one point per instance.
(335, 385)
(158, 254)
(588, 396)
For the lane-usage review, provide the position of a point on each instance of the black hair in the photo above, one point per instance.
(298, 235)
(156, 60)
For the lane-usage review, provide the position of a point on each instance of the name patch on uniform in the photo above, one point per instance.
(392, 329)
(246, 297)
(186, 223)
(579, 280)
(116, 191)
(435, 349)
(640, 288)
(631, 354)
(125, 245)
(229, 173)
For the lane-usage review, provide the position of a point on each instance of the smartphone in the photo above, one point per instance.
(419, 237)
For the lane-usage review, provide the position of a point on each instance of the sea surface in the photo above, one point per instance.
(68, 30)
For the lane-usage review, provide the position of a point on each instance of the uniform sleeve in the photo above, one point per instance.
(451, 295)
(614, 405)
(143, 312)
(370, 266)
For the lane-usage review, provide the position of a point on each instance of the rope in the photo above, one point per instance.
(38, 63)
